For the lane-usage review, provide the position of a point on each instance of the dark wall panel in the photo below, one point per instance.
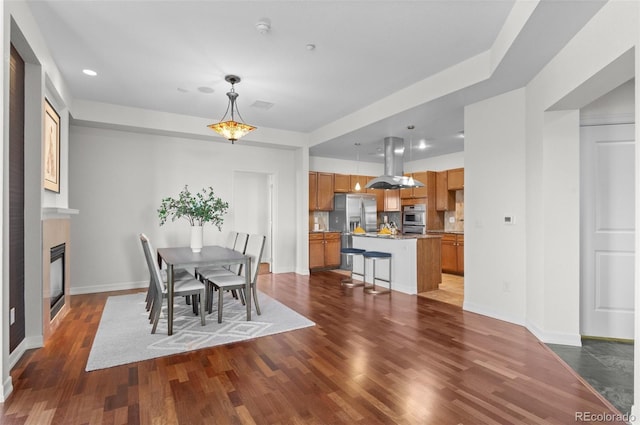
(16, 198)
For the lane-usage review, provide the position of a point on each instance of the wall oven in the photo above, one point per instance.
(414, 219)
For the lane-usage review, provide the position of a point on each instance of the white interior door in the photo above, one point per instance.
(607, 231)
(252, 207)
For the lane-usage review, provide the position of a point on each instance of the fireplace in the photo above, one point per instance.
(56, 278)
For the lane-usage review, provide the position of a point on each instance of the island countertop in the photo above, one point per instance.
(399, 236)
(415, 260)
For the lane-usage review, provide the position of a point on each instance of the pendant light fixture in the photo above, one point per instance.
(231, 129)
(357, 187)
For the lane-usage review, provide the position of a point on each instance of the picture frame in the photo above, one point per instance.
(51, 148)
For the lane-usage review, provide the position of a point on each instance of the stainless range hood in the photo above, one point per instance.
(393, 177)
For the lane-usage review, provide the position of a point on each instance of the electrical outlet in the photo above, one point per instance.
(12, 316)
(452, 220)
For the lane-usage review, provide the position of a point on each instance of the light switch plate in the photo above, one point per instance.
(452, 219)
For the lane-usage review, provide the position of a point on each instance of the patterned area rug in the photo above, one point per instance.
(124, 335)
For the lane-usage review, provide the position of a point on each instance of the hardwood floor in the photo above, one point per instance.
(450, 290)
(369, 360)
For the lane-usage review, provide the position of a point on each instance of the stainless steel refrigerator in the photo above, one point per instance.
(350, 211)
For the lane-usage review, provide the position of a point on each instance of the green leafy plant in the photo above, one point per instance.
(198, 209)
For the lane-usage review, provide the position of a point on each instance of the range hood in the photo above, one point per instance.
(393, 177)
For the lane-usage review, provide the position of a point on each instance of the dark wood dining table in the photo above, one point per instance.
(212, 255)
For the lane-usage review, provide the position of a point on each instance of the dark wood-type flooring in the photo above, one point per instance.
(369, 360)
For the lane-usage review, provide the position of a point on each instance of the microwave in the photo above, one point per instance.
(414, 215)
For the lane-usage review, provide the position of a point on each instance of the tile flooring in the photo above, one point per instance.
(606, 365)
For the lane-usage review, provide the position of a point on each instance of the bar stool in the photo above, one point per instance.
(348, 282)
(375, 256)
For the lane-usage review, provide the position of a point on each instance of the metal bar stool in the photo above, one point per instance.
(374, 256)
(348, 282)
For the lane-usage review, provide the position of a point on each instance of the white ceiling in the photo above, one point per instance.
(165, 55)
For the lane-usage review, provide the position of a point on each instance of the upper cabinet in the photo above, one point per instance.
(341, 183)
(455, 179)
(320, 191)
(425, 177)
(445, 199)
(391, 200)
(355, 179)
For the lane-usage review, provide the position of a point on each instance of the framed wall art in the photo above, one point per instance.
(51, 166)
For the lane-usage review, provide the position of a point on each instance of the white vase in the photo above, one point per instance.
(196, 238)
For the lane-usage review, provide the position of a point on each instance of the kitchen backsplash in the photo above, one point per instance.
(319, 218)
(395, 217)
(454, 220)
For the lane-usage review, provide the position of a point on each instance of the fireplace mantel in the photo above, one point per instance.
(56, 212)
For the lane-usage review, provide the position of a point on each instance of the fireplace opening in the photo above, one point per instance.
(56, 279)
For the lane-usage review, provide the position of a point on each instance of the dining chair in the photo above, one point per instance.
(204, 274)
(255, 247)
(232, 237)
(183, 287)
(178, 274)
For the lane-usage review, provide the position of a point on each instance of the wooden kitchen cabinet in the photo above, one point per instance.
(453, 253)
(358, 179)
(460, 252)
(445, 199)
(324, 250)
(320, 191)
(455, 178)
(391, 200)
(341, 183)
(425, 177)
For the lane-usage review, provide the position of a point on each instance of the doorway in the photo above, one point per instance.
(253, 209)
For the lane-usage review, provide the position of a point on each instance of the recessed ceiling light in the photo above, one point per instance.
(204, 89)
(89, 72)
(423, 145)
(461, 134)
(310, 46)
(182, 90)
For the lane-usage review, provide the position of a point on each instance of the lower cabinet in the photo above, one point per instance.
(453, 253)
(324, 250)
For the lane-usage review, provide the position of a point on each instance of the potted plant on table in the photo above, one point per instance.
(198, 209)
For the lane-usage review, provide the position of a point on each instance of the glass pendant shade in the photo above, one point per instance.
(231, 129)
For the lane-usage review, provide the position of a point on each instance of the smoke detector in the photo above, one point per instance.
(263, 26)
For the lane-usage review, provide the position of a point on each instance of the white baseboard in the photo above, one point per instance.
(92, 289)
(7, 389)
(26, 344)
(544, 336)
(554, 337)
(474, 308)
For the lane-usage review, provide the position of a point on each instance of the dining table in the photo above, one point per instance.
(210, 255)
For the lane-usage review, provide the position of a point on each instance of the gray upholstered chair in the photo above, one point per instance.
(232, 239)
(205, 273)
(255, 247)
(183, 287)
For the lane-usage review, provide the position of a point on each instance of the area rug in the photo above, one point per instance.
(124, 334)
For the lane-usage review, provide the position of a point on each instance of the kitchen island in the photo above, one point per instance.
(415, 260)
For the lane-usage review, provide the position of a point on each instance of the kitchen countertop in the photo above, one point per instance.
(397, 237)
